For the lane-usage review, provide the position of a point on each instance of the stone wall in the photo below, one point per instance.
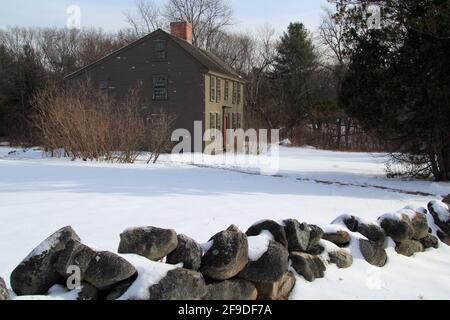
(260, 264)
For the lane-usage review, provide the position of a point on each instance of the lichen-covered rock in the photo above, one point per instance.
(179, 284)
(235, 289)
(441, 215)
(446, 200)
(373, 253)
(445, 238)
(88, 292)
(399, 230)
(74, 254)
(107, 269)
(372, 232)
(308, 266)
(317, 250)
(273, 227)
(279, 290)
(188, 252)
(339, 238)
(120, 289)
(149, 242)
(272, 265)
(430, 241)
(297, 234)
(341, 258)
(409, 247)
(227, 256)
(4, 294)
(420, 225)
(315, 235)
(37, 272)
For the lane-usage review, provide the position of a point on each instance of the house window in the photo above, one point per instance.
(218, 119)
(238, 120)
(218, 90)
(103, 85)
(160, 88)
(239, 93)
(234, 120)
(227, 90)
(212, 85)
(160, 50)
(212, 120)
(235, 92)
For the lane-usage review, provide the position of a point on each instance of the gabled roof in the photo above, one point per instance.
(208, 60)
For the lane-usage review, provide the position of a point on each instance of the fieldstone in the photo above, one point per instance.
(235, 289)
(273, 227)
(445, 238)
(420, 225)
(227, 256)
(372, 232)
(120, 289)
(179, 284)
(271, 267)
(409, 247)
(317, 250)
(351, 223)
(4, 294)
(438, 218)
(341, 258)
(315, 235)
(279, 290)
(446, 200)
(37, 272)
(88, 292)
(430, 241)
(339, 238)
(297, 234)
(187, 252)
(373, 253)
(149, 242)
(74, 254)
(107, 269)
(398, 230)
(309, 266)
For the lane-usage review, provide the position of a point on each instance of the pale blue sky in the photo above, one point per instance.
(109, 14)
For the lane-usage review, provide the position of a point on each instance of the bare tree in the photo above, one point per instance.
(146, 18)
(208, 18)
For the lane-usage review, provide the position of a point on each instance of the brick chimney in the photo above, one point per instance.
(182, 30)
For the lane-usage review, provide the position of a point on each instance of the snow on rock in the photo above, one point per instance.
(149, 274)
(207, 246)
(442, 210)
(258, 245)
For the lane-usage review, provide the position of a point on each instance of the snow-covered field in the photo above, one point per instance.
(199, 197)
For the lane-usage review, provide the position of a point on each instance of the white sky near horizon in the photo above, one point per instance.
(110, 14)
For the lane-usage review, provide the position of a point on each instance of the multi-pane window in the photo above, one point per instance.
(160, 50)
(227, 90)
(212, 89)
(234, 120)
(235, 92)
(218, 119)
(239, 93)
(212, 120)
(160, 88)
(238, 121)
(218, 90)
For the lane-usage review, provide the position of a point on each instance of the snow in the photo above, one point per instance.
(258, 245)
(57, 292)
(441, 209)
(201, 196)
(149, 274)
(45, 246)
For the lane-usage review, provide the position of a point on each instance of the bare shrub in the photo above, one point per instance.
(157, 134)
(88, 125)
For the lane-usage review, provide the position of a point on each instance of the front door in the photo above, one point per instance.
(226, 122)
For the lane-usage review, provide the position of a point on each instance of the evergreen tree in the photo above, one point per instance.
(398, 82)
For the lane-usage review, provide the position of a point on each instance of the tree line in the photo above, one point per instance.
(346, 86)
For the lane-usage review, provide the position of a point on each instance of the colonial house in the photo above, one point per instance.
(176, 78)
